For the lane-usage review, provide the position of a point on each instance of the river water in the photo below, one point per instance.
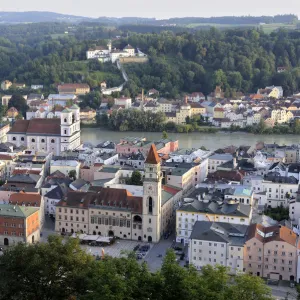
(211, 141)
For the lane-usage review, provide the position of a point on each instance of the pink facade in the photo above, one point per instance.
(125, 147)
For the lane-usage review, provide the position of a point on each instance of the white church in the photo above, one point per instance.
(48, 134)
(105, 54)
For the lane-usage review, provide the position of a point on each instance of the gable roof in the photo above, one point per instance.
(26, 199)
(37, 126)
(16, 211)
(152, 157)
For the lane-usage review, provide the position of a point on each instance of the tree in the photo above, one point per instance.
(45, 271)
(164, 135)
(72, 174)
(19, 103)
(135, 179)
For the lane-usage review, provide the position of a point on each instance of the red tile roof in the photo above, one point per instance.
(6, 157)
(37, 126)
(36, 172)
(27, 199)
(152, 157)
(73, 86)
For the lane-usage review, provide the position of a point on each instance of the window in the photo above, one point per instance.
(52, 141)
(150, 203)
(43, 140)
(33, 140)
(149, 220)
(14, 138)
(22, 139)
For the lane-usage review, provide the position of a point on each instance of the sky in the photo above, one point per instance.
(156, 8)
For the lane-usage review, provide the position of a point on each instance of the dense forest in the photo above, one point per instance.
(236, 59)
(62, 270)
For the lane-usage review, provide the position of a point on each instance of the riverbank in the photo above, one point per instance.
(210, 129)
(210, 141)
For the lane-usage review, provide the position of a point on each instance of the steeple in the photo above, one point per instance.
(153, 157)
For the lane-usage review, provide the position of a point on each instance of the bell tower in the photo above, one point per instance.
(152, 197)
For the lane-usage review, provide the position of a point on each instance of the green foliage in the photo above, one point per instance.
(135, 179)
(72, 174)
(53, 270)
(164, 135)
(62, 270)
(136, 120)
(278, 213)
(19, 103)
(237, 60)
(92, 100)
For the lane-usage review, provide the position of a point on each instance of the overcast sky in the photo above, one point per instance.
(156, 8)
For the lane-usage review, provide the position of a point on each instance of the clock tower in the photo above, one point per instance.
(152, 197)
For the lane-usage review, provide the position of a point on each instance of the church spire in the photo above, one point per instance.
(152, 157)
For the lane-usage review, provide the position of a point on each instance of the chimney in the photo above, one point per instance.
(185, 99)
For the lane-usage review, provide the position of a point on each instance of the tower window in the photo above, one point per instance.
(65, 131)
(52, 141)
(150, 205)
(65, 120)
(33, 140)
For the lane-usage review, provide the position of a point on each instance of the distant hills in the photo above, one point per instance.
(38, 16)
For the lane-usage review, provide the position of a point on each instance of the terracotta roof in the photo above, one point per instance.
(6, 157)
(27, 199)
(36, 172)
(73, 86)
(152, 157)
(38, 126)
(272, 233)
(20, 126)
(113, 198)
(228, 175)
(219, 109)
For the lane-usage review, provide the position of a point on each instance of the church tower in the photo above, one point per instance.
(152, 197)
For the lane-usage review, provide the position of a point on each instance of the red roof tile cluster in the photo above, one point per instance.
(272, 233)
(38, 126)
(119, 198)
(152, 157)
(27, 199)
(73, 86)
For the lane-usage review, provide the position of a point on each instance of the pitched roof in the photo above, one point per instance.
(37, 126)
(9, 210)
(26, 199)
(115, 199)
(152, 157)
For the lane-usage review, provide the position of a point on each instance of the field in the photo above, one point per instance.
(267, 28)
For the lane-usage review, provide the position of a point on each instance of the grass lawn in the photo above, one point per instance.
(268, 28)
(194, 25)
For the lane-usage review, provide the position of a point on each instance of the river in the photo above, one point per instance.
(211, 141)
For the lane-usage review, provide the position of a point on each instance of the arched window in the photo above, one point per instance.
(65, 120)
(14, 138)
(150, 200)
(22, 139)
(43, 141)
(33, 140)
(52, 141)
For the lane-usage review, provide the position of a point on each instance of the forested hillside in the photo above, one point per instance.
(238, 60)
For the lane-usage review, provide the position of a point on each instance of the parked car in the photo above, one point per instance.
(136, 248)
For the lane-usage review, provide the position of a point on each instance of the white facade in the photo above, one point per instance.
(65, 166)
(44, 141)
